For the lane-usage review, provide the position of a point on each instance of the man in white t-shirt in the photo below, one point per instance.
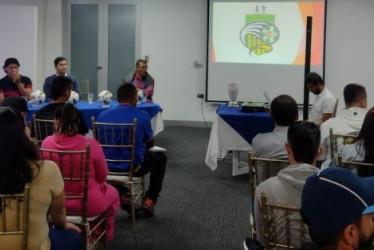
(348, 120)
(324, 103)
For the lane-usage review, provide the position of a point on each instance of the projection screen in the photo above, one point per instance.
(261, 46)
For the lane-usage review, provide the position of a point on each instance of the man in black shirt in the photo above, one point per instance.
(14, 84)
(61, 90)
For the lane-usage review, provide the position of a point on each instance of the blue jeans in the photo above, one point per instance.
(65, 239)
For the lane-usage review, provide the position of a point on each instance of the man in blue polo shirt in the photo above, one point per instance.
(153, 162)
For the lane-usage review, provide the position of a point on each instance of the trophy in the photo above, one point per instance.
(233, 91)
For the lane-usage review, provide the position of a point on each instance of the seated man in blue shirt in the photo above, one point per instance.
(153, 162)
(61, 67)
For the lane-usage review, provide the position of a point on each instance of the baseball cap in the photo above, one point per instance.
(15, 102)
(10, 60)
(335, 197)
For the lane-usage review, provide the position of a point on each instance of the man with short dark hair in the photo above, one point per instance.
(338, 207)
(21, 105)
(61, 67)
(16, 102)
(141, 79)
(14, 84)
(324, 103)
(348, 120)
(283, 111)
(303, 149)
(153, 162)
(60, 92)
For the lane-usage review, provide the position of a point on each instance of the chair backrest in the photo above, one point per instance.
(261, 169)
(42, 128)
(364, 169)
(339, 139)
(84, 86)
(282, 225)
(74, 167)
(14, 219)
(118, 142)
(335, 108)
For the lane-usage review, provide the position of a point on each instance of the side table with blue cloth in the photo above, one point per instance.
(95, 108)
(234, 130)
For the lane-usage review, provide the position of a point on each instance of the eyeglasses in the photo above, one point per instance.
(143, 67)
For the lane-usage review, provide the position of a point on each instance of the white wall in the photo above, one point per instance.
(173, 35)
(20, 43)
(349, 46)
(47, 40)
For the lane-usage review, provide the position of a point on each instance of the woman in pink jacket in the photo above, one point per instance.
(101, 196)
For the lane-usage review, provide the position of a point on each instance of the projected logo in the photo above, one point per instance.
(259, 32)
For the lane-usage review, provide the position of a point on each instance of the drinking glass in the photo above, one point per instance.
(145, 95)
(90, 97)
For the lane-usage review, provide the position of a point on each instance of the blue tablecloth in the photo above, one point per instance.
(248, 125)
(95, 108)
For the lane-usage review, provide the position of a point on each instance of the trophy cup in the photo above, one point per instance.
(233, 91)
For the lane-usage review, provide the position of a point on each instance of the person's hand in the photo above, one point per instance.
(16, 79)
(73, 227)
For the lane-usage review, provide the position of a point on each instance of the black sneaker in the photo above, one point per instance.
(126, 205)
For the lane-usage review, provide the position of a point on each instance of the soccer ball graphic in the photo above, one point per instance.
(37, 97)
(74, 97)
(105, 96)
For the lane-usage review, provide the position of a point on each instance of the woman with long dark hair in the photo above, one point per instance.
(101, 196)
(18, 166)
(363, 148)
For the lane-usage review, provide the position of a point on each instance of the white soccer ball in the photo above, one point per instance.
(140, 94)
(37, 97)
(74, 97)
(105, 96)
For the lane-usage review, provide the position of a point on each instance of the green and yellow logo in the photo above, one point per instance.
(259, 33)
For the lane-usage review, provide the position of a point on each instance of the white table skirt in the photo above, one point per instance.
(224, 138)
(157, 124)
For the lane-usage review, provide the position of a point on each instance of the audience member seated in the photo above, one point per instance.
(21, 105)
(303, 149)
(348, 120)
(338, 207)
(284, 111)
(363, 147)
(324, 103)
(154, 162)
(101, 196)
(14, 84)
(61, 89)
(141, 79)
(61, 67)
(18, 166)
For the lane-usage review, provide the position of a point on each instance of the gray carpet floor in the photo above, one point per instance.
(197, 208)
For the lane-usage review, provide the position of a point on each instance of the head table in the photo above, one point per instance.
(95, 108)
(233, 130)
